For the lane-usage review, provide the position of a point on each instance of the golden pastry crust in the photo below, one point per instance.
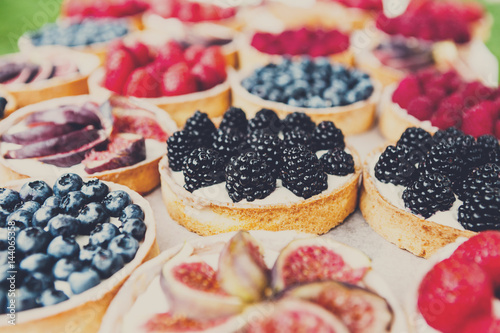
(409, 232)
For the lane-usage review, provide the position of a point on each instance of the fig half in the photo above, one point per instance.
(242, 271)
(38, 133)
(191, 286)
(317, 259)
(83, 115)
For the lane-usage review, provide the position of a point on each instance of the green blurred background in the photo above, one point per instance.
(17, 16)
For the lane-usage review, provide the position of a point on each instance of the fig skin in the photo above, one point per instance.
(82, 115)
(242, 271)
(38, 133)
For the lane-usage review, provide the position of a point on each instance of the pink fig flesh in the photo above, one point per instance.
(38, 133)
(168, 322)
(73, 114)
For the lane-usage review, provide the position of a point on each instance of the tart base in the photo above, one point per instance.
(409, 232)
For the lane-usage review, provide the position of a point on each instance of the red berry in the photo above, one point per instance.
(484, 324)
(193, 54)
(142, 84)
(178, 80)
(206, 77)
(261, 40)
(421, 108)
(140, 52)
(212, 57)
(407, 90)
(169, 54)
(452, 292)
(435, 94)
(119, 65)
(478, 120)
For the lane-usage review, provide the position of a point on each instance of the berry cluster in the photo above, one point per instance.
(250, 155)
(434, 21)
(312, 42)
(170, 70)
(311, 83)
(98, 8)
(436, 169)
(191, 11)
(51, 226)
(446, 100)
(362, 4)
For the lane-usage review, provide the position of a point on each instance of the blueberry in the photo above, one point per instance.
(72, 202)
(94, 190)
(4, 275)
(87, 253)
(103, 234)
(132, 211)
(25, 299)
(135, 228)
(91, 215)
(38, 262)
(4, 257)
(124, 245)
(64, 225)
(30, 206)
(38, 281)
(32, 240)
(68, 182)
(107, 263)
(4, 214)
(63, 247)
(42, 216)
(84, 280)
(3, 300)
(20, 218)
(52, 201)
(115, 202)
(52, 296)
(65, 266)
(37, 190)
(9, 199)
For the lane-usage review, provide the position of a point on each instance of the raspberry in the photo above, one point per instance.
(141, 84)
(193, 53)
(202, 167)
(212, 57)
(169, 54)
(140, 52)
(478, 120)
(408, 89)
(452, 292)
(178, 80)
(421, 108)
(483, 324)
(119, 65)
(207, 77)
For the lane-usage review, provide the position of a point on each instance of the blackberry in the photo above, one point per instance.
(298, 120)
(203, 167)
(487, 175)
(327, 136)
(481, 211)
(415, 138)
(269, 147)
(471, 153)
(448, 135)
(302, 172)
(397, 165)
(297, 137)
(200, 126)
(179, 145)
(227, 143)
(443, 158)
(249, 177)
(234, 119)
(428, 194)
(265, 119)
(494, 156)
(487, 144)
(337, 162)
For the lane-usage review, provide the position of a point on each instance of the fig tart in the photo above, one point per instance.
(120, 140)
(76, 242)
(263, 173)
(50, 72)
(324, 91)
(8, 104)
(315, 285)
(426, 191)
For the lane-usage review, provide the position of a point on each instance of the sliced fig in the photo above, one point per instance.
(242, 271)
(291, 315)
(73, 114)
(9, 70)
(192, 288)
(46, 72)
(38, 133)
(138, 121)
(64, 67)
(124, 149)
(27, 74)
(64, 143)
(168, 322)
(361, 310)
(318, 259)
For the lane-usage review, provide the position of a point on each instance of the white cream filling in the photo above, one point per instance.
(394, 195)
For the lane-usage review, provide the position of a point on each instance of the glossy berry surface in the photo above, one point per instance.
(9, 199)
(115, 202)
(202, 167)
(397, 165)
(337, 162)
(132, 211)
(179, 146)
(64, 225)
(125, 246)
(36, 190)
(63, 247)
(52, 296)
(134, 227)
(67, 183)
(65, 266)
(107, 263)
(91, 215)
(33, 240)
(84, 280)
(94, 190)
(103, 234)
(72, 202)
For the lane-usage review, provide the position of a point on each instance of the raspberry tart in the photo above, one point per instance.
(426, 191)
(462, 279)
(262, 173)
(120, 141)
(237, 290)
(434, 100)
(7, 104)
(316, 87)
(261, 48)
(50, 72)
(76, 242)
(178, 79)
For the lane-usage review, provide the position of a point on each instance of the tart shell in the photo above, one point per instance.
(85, 311)
(409, 232)
(316, 215)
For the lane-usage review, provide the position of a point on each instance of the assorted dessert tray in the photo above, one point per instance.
(189, 166)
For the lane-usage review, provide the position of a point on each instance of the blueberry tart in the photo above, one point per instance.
(260, 173)
(76, 242)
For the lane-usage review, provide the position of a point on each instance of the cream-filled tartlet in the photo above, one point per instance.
(315, 284)
(120, 140)
(262, 173)
(426, 191)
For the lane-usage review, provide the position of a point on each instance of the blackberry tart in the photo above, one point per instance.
(263, 173)
(71, 255)
(120, 140)
(324, 91)
(426, 191)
